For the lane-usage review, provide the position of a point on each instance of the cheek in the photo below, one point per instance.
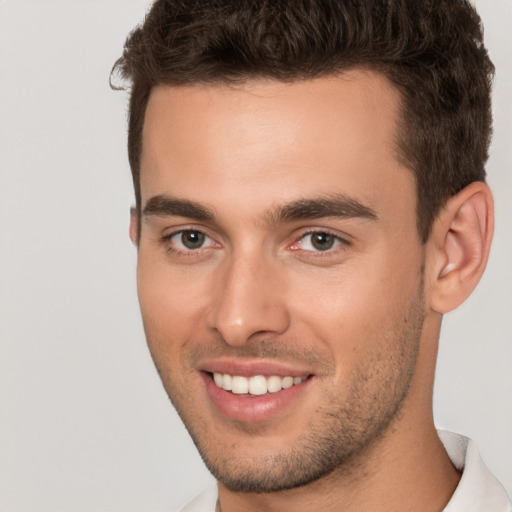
(171, 303)
(350, 308)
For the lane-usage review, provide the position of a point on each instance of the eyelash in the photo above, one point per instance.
(340, 243)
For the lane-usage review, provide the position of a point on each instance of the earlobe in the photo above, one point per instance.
(461, 238)
(134, 226)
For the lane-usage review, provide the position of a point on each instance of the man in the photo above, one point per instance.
(310, 200)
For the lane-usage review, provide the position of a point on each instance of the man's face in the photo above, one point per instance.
(279, 250)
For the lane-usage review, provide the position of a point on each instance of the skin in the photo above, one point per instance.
(362, 318)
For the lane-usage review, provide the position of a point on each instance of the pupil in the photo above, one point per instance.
(322, 241)
(192, 239)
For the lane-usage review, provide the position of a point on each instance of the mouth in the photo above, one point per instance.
(254, 392)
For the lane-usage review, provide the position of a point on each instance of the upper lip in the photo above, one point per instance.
(248, 368)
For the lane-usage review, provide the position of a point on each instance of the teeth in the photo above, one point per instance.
(274, 384)
(256, 385)
(240, 385)
(227, 381)
(218, 378)
(287, 382)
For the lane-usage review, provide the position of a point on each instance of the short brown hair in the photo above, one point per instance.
(432, 50)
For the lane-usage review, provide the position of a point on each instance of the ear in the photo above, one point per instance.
(460, 242)
(134, 226)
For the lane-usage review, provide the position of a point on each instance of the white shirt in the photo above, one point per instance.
(478, 489)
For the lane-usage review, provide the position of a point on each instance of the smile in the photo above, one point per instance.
(254, 392)
(256, 385)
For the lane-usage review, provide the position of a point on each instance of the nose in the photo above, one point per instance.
(249, 300)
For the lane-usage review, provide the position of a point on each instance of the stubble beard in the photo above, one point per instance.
(341, 431)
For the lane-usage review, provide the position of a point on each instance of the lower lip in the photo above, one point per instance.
(252, 408)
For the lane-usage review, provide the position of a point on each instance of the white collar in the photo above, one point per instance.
(478, 489)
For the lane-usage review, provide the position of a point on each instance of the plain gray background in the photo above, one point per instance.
(84, 423)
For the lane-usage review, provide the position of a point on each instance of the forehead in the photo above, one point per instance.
(273, 139)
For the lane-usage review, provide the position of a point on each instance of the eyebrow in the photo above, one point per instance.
(163, 205)
(335, 205)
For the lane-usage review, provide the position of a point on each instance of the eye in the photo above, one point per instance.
(190, 240)
(319, 241)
